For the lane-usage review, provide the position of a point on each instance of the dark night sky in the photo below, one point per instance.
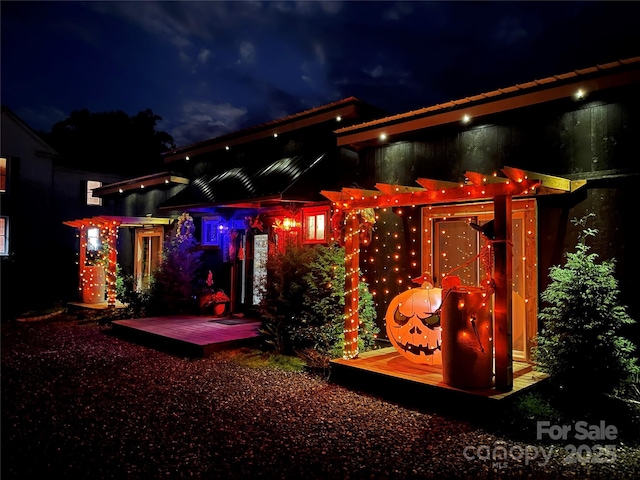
(211, 67)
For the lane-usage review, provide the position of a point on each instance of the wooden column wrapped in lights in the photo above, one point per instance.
(111, 237)
(352, 274)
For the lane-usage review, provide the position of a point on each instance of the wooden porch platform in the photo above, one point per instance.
(385, 372)
(198, 336)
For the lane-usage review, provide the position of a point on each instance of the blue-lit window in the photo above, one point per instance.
(211, 230)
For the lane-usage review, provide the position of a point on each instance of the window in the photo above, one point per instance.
(91, 200)
(211, 230)
(93, 239)
(4, 236)
(3, 174)
(315, 224)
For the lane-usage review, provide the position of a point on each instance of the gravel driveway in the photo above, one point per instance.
(78, 402)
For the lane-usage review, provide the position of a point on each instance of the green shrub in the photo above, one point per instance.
(303, 304)
(580, 345)
(174, 287)
(136, 303)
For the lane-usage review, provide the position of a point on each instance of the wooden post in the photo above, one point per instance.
(112, 267)
(502, 250)
(82, 257)
(352, 278)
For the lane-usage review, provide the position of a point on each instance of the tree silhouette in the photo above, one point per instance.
(111, 142)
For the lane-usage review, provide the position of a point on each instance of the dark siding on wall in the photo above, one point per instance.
(596, 140)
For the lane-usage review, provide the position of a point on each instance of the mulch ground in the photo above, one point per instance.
(78, 402)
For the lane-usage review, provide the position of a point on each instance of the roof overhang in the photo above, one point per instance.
(119, 221)
(565, 86)
(516, 183)
(348, 108)
(140, 183)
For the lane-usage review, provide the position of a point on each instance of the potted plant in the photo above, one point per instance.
(213, 298)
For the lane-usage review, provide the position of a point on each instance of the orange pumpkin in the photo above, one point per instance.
(413, 324)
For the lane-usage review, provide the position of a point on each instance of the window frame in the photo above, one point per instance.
(90, 199)
(213, 223)
(4, 236)
(315, 212)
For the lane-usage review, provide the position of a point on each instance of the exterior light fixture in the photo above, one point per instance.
(187, 158)
(580, 94)
(383, 136)
(166, 181)
(338, 118)
(120, 190)
(275, 135)
(227, 147)
(142, 186)
(466, 118)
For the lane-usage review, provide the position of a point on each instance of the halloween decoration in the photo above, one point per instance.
(467, 343)
(413, 324)
(486, 229)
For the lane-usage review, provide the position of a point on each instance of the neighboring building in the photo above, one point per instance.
(38, 253)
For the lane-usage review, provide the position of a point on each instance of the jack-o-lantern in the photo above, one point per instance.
(413, 324)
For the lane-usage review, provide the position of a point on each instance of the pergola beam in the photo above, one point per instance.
(459, 193)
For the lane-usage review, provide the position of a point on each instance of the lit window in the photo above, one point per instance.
(93, 239)
(3, 174)
(315, 224)
(4, 236)
(91, 200)
(211, 230)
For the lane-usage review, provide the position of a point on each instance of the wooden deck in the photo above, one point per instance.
(386, 371)
(198, 336)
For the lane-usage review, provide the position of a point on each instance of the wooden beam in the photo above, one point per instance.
(360, 192)
(430, 184)
(547, 181)
(335, 197)
(391, 189)
(481, 179)
(444, 195)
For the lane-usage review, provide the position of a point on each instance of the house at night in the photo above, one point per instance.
(505, 170)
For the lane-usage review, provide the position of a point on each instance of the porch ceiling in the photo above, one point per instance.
(477, 186)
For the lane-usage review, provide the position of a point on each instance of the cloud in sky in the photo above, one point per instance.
(217, 66)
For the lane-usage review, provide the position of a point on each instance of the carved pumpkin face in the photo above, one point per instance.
(412, 327)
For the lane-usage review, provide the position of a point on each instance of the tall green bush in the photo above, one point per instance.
(321, 323)
(580, 345)
(303, 305)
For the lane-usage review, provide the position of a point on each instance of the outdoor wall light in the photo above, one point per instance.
(580, 94)
(338, 118)
(383, 136)
(466, 118)
(187, 158)
(275, 135)
(227, 147)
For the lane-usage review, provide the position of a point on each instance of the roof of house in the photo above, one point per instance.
(346, 109)
(247, 187)
(537, 91)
